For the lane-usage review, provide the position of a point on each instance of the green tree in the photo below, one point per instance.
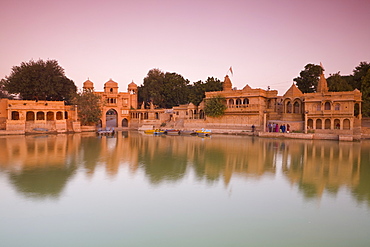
(338, 83)
(175, 91)
(40, 80)
(359, 73)
(365, 86)
(198, 89)
(215, 106)
(88, 107)
(308, 78)
(152, 88)
(165, 90)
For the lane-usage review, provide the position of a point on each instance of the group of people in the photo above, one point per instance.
(275, 127)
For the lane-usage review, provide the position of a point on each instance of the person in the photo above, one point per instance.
(273, 127)
(287, 128)
(253, 127)
(269, 127)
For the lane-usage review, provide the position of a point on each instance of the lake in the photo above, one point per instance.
(135, 189)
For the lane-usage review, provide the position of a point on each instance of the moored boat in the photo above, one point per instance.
(203, 132)
(172, 132)
(187, 132)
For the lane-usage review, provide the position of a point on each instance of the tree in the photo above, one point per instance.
(338, 83)
(198, 89)
(365, 86)
(164, 90)
(175, 91)
(215, 106)
(152, 88)
(359, 73)
(40, 80)
(308, 78)
(88, 107)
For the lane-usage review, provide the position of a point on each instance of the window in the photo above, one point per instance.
(15, 115)
(327, 106)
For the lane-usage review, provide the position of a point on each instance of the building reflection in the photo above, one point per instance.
(319, 166)
(41, 166)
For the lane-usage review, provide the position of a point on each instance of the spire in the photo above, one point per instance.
(227, 84)
(322, 85)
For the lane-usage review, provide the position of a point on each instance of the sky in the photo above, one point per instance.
(266, 42)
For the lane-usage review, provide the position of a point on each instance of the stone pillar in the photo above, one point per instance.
(305, 122)
(264, 121)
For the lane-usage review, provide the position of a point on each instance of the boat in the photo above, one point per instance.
(154, 132)
(187, 132)
(203, 132)
(106, 131)
(172, 132)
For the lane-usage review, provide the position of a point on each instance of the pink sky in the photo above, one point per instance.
(267, 42)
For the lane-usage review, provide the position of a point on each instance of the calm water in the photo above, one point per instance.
(141, 190)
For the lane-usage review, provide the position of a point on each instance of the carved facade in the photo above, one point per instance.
(35, 116)
(116, 105)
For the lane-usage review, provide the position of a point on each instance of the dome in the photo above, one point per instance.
(132, 85)
(111, 83)
(88, 84)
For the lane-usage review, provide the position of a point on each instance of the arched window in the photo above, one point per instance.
(231, 103)
(50, 116)
(124, 122)
(40, 115)
(238, 103)
(289, 107)
(66, 115)
(296, 107)
(327, 106)
(318, 124)
(337, 107)
(156, 115)
(111, 90)
(327, 124)
(15, 115)
(246, 101)
(30, 116)
(59, 115)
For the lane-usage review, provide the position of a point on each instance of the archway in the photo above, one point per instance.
(310, 123)
(201, 114)
(318, 124)
(124, 122)
(327, 124)
(111, 118)
(336, 124)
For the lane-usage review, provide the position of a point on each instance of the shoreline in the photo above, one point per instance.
(308, 136)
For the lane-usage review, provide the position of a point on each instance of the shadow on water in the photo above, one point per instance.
(41, 167)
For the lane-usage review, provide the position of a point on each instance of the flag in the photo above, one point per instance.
(231, 71)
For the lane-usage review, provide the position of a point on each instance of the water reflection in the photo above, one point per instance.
(41, 166)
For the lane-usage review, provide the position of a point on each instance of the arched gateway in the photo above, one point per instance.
(111, 118)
